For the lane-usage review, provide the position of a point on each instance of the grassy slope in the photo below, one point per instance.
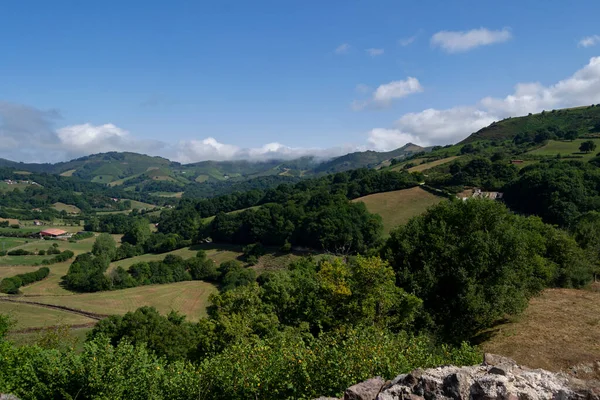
(397, 207)
(426, 166)
(9, 242)
(580, 119)
(66, 207)
(189, 298)
(29, 316)
(560, 328)
(565, 148)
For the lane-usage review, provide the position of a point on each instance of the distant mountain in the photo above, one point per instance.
(133, 169)
(582, 120)
(367, 159)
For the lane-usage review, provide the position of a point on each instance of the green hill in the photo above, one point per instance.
(368, 159)
(582, 120)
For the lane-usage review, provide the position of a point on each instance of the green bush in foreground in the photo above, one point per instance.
(285, 367)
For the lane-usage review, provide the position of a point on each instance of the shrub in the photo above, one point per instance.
(19, 252)
(11, 285)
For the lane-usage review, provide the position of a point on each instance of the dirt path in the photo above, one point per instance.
(91, 315)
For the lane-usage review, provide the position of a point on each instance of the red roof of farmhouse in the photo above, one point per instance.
(53, 232)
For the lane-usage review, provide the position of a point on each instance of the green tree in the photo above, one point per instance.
(587, 146)
(137, 232)
(105, 246)
(474, 262)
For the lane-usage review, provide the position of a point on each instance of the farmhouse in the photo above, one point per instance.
(55, 233)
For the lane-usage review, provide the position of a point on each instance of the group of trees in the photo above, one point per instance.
(474, 262)
(313, 213)
(12, 284)
(88, 272)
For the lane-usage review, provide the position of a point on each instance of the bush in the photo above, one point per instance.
(474, 262)
(19, 252)
(61, 257)
(2, 253)
(11, 285)
(41, 252)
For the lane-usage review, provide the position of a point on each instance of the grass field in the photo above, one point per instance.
(50, 285)
(169, 194)
(29, 316)
(565, 148)
(66, 207)
(68, 173)
(8, 270)
(23, 229)
(138, 204)
(5, 187)
(217, 253)
(209, 219)
(559, 329)
(9, 242)
(426, 166)
(397, 207)
(190, 298)
(22, 260)
(103, 179)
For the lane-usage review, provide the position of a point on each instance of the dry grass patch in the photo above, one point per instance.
(189, 298)
(559, 329)
(28, 316)
(423, 167)
(397, 207)
(58, 206)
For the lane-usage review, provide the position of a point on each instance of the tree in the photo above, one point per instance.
(587, 146)
(137, 232)
(105, 246)
(571, 135)
(474, 262)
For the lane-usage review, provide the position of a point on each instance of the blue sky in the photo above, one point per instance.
(238, 79)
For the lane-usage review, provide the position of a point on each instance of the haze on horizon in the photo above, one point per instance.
(193, 81)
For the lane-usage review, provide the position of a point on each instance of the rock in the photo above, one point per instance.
(8, 397)
(496, 378)
(366, 390)
(494, 359)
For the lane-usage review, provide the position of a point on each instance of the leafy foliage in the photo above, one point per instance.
(474, 262)
(12, 284)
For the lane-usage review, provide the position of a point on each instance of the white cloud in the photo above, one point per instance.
(589, 41)
(386, 93)
(374, 52)
(461, 41)
(210, 149)
(451, 125)
(381, 139)
(407, 41)
(88, 136)
(343, 48)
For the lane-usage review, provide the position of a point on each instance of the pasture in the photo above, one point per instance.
(565, 149)
(429, 165)
(559, 329)
(189, 298)
(31, 316)
(397, 207)
(217, 253)
(58, 206)
(7, 243)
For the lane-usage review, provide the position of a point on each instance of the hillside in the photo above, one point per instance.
(397, 207)
(161, 176)
(367, 159)
(582, 120)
